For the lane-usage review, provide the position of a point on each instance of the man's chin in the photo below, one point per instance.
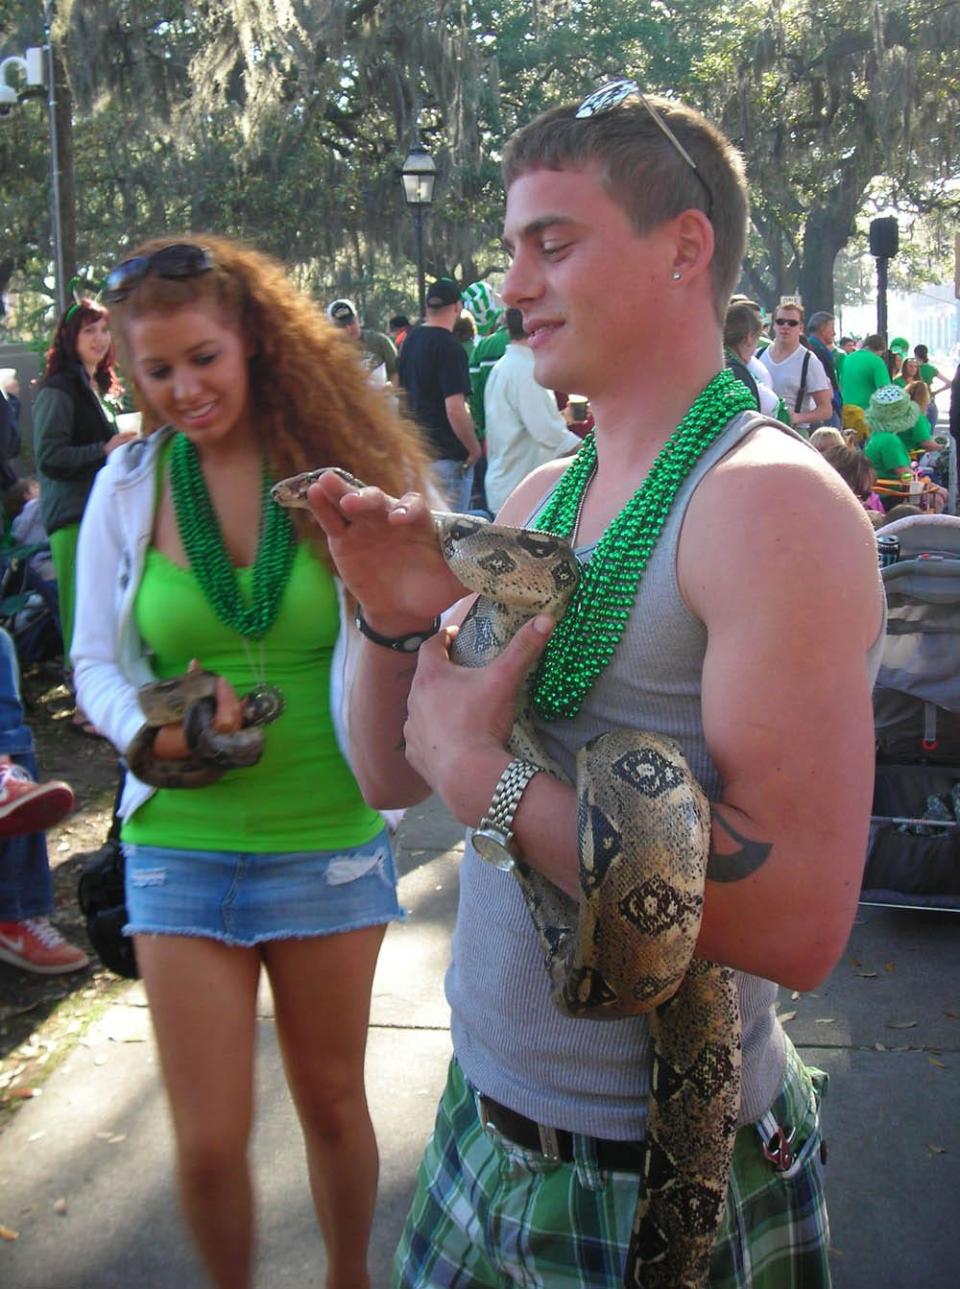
(551, 374)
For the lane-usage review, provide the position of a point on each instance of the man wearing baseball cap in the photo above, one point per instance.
(379, 353)
(434, 372)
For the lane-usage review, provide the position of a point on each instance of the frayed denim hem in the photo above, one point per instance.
(233, 942)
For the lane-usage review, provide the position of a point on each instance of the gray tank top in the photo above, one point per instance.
(513, 1044)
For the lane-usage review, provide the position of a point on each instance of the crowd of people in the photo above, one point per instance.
(329, 633)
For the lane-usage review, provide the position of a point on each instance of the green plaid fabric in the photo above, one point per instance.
(488, 1214)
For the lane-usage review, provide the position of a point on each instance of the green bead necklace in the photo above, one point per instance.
(208, 556)
(586, 637)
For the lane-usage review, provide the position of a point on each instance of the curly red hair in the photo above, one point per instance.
(314, 401)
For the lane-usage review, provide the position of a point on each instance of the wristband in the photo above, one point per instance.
(399, 644)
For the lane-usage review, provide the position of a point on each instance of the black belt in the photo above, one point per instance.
(555, 1143)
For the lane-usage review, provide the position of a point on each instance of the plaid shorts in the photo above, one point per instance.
(488, 1214)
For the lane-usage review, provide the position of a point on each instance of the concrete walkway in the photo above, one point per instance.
(86, 1168)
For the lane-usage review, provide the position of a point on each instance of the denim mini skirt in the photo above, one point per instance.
(243, 898)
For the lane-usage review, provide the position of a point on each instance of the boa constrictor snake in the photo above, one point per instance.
(626, 947)
(190, 699)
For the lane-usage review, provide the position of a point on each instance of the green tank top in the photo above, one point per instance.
(301, 795)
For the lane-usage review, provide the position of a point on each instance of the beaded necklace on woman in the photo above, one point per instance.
(212, 567)
(586, 637)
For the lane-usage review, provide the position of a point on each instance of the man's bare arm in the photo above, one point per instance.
(823, 406)
(786, 707)
(791, 734)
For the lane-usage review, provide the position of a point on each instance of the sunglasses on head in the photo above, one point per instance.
(787, 322)
(180, 260)
(616, 92)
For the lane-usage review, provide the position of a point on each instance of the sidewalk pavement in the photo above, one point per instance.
(86, 1168)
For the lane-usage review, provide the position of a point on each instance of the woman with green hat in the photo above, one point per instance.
(894, 423)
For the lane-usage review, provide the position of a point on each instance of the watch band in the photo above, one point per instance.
(400, 644)
(506, 796)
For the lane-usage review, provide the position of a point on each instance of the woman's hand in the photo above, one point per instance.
(459, 719)
(387, 553)
(118, 440)
(171, 741)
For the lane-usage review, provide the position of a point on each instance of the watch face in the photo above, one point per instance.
(490, 845)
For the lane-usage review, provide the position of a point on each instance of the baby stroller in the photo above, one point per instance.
(913, 854)
(29, 604)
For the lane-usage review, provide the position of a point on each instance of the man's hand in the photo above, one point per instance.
(459, 719)
(461, 422)
(387, 553)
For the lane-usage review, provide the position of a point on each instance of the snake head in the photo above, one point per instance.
(292, 492)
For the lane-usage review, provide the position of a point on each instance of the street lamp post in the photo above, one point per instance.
(419, 174)
(37, 70)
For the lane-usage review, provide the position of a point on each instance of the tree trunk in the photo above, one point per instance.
(823, 238)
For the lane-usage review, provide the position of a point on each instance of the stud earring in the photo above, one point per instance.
(676, 275)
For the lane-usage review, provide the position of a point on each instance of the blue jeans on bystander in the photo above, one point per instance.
(26, 887)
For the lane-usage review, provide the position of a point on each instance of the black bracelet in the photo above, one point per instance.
(400, 644)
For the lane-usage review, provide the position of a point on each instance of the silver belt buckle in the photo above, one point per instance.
(485, 1122)
(549, 1143)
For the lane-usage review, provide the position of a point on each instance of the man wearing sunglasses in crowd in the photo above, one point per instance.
(537, 1160)
(796, 373)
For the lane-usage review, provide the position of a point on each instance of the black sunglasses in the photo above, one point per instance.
(616, 92)
(787, 322)
(179, 260)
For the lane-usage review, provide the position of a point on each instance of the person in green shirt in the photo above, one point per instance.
(863, 372)
(887, 454)
(491, 345)
(185, 558)
(909, 372)
(929, 373)
(896, 426)
(379, 351)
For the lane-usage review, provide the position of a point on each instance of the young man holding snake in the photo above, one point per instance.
(534, 1169)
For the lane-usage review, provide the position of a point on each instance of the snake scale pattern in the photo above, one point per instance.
(626, 947)
(190, 699)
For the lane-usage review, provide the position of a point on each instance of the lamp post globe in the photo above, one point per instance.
(419, 175)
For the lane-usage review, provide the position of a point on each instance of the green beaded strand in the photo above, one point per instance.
(586, 637)
(209, 558)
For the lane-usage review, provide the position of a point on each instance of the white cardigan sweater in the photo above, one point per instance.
(109, 658)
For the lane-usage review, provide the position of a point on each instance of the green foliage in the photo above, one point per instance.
(286, 122)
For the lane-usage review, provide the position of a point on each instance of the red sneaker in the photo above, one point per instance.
(27, 806)
(35, 945)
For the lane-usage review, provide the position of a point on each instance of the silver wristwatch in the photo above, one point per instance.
(493, 838)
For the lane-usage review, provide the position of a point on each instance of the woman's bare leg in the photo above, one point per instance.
(202, 997)
(321, 990)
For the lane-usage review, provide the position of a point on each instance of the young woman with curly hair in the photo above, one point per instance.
(184, 556)
(74, 433)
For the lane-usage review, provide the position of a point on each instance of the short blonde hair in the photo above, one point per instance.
(642, 170)
(826, 437)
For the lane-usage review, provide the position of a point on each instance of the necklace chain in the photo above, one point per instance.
(586, 637)
(208, 555)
